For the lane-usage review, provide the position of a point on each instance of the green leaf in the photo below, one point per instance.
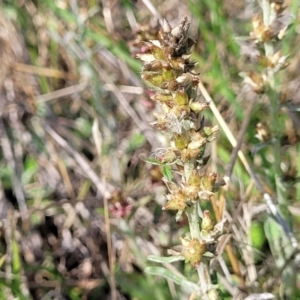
(277, 239)
(30, 169)
(281, 249)
(16, 262)
(141, 287)
(209, 255)
(136, 141)
(153, 161)
(258, 236)
(164, 259)
(167, 172)
(178, 279)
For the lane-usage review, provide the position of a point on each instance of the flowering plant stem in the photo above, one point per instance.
(168, 71)
(269, 16)
(267, 33)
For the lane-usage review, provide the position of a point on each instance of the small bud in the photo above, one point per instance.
(191, 192)
(192, 251)
(174, 205)
(180, 97)
(208, 182)
(199, 106)
(161, 123)
(178, 63)
(153, 80)
(161, 97)
(168, 157)
(194, 179)
(172, 86)
(187, 154)
(207, 223)
(257, 81)
(180, 111)
(169, 74)
(208, 131)
(260, 32)
(153, 66)
(181, 141)
(275, 62)
(157, 52)
(176, 201)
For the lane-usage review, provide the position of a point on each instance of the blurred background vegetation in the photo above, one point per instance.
(80, 209)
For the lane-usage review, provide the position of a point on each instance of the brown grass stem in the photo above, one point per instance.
(231, 255)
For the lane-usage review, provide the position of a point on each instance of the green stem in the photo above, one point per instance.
(194, 221)
(269, 15)
(276, 146)
(189, 166)
(202, 269)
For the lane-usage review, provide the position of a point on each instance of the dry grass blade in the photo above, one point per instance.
(102, 188)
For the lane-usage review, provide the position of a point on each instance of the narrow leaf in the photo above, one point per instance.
(164, 259)
(16, 263)
(208, 255)
(167, 172)
(153, 161)
(180, 280)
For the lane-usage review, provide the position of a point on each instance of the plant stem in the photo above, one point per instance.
(204, 279)
(275, 129)
(269, 15)
(194, 226)
(194, 221)
(202, 268)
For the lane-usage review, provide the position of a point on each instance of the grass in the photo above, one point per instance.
(80, 207)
